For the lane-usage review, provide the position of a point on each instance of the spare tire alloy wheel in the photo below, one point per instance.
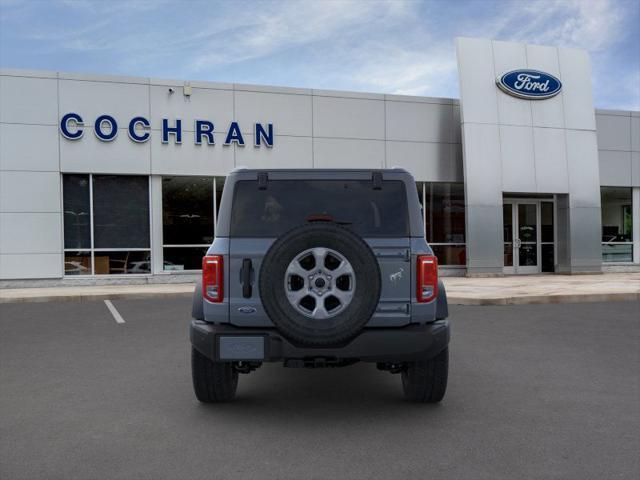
(320, 283)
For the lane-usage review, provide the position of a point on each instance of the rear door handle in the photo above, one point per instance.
(245, 278)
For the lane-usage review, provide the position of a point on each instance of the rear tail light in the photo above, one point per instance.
(427, 278)
(212, 278)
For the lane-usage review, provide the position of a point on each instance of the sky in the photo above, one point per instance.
(403, 47)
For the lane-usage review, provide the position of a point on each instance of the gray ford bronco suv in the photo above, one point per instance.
(319, 268)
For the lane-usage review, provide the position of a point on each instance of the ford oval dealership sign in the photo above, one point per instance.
(529, 84)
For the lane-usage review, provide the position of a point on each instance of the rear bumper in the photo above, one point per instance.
(413, 342)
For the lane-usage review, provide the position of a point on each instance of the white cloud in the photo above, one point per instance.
(590, 24)
(419, 60)
(398, 71)
(290, 25)
(399, 46)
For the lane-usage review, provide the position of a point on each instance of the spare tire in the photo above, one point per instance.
(319, 284)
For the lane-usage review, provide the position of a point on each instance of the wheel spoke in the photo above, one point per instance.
(320, 312)
(319, 254)
(296, 269)
(294, 296)
(319, 283)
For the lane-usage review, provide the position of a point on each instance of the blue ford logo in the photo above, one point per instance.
(529, 84)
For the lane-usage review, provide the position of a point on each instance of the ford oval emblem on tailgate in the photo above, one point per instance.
(529, 84)
(247, 310)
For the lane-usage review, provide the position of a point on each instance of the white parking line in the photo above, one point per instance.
(114, 312)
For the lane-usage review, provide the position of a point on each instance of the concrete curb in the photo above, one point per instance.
(92, 297)
(95, 293)
(453, 298)
(546, 299)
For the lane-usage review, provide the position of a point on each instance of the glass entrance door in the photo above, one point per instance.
(526, 240)
(523, 235)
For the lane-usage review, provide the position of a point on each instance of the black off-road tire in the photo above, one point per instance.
(213, 382)
(342, 327)
(426, 382)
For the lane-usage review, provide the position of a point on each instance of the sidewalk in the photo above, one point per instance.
(527, 289)
(511, 290)
(97, 292)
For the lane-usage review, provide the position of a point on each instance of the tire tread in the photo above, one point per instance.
(426, 381)
(213, 382)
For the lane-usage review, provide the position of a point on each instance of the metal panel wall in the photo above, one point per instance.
(619, 148)
(511, 145)
(313, 128)
(30, 211)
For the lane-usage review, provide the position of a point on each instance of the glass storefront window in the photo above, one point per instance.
(507, 233)
(120, 211)
(444, 219)
(547, 235)
(183, 258)
(122, 262)
(187, 220)
(450, 254)
(617, 224)
(187, 210)
(77, 214)
(77, 262)
(420, 187)
(445, 213)
(106, 225)
(219, 181)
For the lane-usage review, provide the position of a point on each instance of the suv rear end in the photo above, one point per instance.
(320, 268)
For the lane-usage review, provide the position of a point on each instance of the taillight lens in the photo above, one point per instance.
(427, 278)
(212, 278)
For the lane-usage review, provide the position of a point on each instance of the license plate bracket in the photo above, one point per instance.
(241, 347)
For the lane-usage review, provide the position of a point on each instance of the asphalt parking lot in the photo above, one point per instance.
(538, 391)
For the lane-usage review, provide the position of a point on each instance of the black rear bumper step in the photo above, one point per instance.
(413, 342)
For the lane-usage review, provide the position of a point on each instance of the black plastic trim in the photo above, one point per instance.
(245, 276)
(376, 179)
(410, 343)
(197, 308)
(263, 177)
(442, 307)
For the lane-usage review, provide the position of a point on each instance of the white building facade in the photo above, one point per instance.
(117, 179)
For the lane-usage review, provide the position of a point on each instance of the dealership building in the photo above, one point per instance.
(118, 179)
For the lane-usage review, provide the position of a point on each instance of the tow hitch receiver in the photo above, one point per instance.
(317, 362)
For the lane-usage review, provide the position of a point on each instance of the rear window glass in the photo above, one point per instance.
(286, 204)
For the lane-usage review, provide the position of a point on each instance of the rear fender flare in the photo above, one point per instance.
(442, 308)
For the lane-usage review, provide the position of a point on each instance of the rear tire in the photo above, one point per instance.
(426, 382)
(213, 382)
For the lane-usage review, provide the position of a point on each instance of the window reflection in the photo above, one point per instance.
(121, 211)
(77, 215)
(119, 214)
(77, 263)
(121, 262)
(444, 212)
(187, 221)
(617, 224)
